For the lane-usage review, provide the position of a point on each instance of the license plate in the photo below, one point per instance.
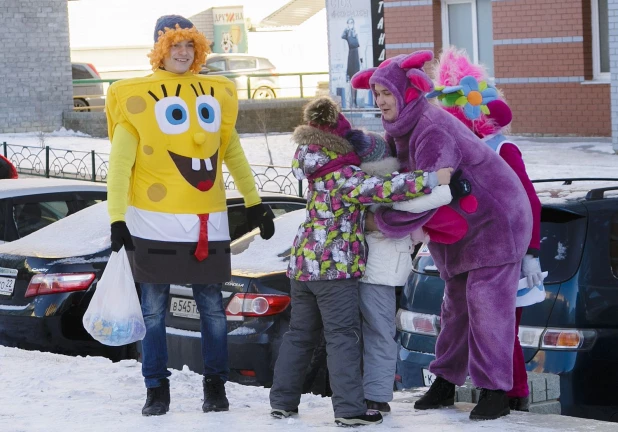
(428, 378)
(186, 308)
(7, 281)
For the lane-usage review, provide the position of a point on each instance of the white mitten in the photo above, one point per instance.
(439, 196)
(531, 270)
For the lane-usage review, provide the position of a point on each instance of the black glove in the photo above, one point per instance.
(261, 216)
(121, 237)
(459, 187)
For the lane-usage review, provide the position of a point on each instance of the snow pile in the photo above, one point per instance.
(83, 233)
(252, 255)
(62, 132)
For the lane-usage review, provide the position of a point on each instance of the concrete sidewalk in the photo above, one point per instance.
(455, 419)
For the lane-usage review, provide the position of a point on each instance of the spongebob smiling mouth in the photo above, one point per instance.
(199, 173)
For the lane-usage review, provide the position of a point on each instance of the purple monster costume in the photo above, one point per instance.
(477, 242)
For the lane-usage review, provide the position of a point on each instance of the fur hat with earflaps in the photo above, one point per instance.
(324, 113)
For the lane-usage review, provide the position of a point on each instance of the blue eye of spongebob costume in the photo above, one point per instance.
(170, 134)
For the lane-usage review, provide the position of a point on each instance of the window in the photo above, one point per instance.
(467, 24)
(242, 64)
(80, 72)
(216, 66)
(600, 40)
(33, 216)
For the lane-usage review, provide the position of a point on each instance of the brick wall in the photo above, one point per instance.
(410, 26)
(542, 60)
(36, 86)
(542, 54)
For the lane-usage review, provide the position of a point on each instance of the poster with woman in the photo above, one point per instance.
(350, 43)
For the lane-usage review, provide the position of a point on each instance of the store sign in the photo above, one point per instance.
(230, 34)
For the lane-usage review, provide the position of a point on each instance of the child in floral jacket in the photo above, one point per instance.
(328, 258)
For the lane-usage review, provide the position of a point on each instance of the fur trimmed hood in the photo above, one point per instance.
(307, 135)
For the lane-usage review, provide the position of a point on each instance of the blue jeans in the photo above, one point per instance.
(213, 327)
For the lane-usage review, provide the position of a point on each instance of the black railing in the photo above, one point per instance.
(92, 166)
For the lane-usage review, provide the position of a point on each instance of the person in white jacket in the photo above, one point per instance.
(388, 265)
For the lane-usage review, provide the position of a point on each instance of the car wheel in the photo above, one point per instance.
(264, 93)
(81, 105)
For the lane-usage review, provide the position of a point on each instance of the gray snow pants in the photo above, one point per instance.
(378, 306)
(332, 305)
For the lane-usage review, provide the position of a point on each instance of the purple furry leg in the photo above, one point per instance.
(478, 317)
(491, 307)
(451, 361)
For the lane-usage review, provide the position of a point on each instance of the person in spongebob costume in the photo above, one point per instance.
(170, 132)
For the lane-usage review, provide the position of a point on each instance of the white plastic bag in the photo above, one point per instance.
(114, 316)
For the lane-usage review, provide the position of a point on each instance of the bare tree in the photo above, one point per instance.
(41, 137)
(262, 120)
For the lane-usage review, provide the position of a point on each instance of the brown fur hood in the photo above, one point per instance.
(305, 135)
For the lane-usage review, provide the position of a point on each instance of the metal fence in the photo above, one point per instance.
(248, 86)
(92, 166)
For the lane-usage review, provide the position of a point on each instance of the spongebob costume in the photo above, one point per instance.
(171, 132)
(170, 135)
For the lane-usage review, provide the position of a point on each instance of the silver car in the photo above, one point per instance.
(263, 87)
(87, 97)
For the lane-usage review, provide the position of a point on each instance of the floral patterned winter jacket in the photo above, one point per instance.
(330, 244)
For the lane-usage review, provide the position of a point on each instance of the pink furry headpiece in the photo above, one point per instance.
(461, 87)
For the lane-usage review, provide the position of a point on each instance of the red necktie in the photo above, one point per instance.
(201, 252)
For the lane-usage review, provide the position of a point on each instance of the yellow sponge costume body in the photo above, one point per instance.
(170, 134)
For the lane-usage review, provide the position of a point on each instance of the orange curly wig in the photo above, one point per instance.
(172, 36)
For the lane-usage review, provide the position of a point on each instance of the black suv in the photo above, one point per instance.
(574, 332)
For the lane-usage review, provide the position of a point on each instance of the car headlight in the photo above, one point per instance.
(414, 322)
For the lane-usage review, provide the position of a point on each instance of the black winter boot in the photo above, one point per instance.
(520, 403)
(440, 394)
(369, 418)
(383, 407)
(214, 395)
(157, 399)
(492, 405)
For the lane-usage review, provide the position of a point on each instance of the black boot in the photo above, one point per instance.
(440, 394)
(157, 399)
(519, 403)
(214, 395)
(369, 418)
(383, 407)
(492, 405)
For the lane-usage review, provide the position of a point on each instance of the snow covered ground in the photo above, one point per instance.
(44, 392)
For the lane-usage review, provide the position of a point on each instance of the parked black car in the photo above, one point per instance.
(574, 332)
(52, 275)
(29, 204)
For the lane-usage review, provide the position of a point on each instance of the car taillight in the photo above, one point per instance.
(254, 305)
(415, 322)
(94, 70)
(54, 283)
(555, 338)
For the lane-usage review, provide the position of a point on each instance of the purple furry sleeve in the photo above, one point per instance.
(433, 150)
(398, 224)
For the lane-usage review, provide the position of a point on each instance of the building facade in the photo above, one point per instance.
(551, 58)
(35, 72)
